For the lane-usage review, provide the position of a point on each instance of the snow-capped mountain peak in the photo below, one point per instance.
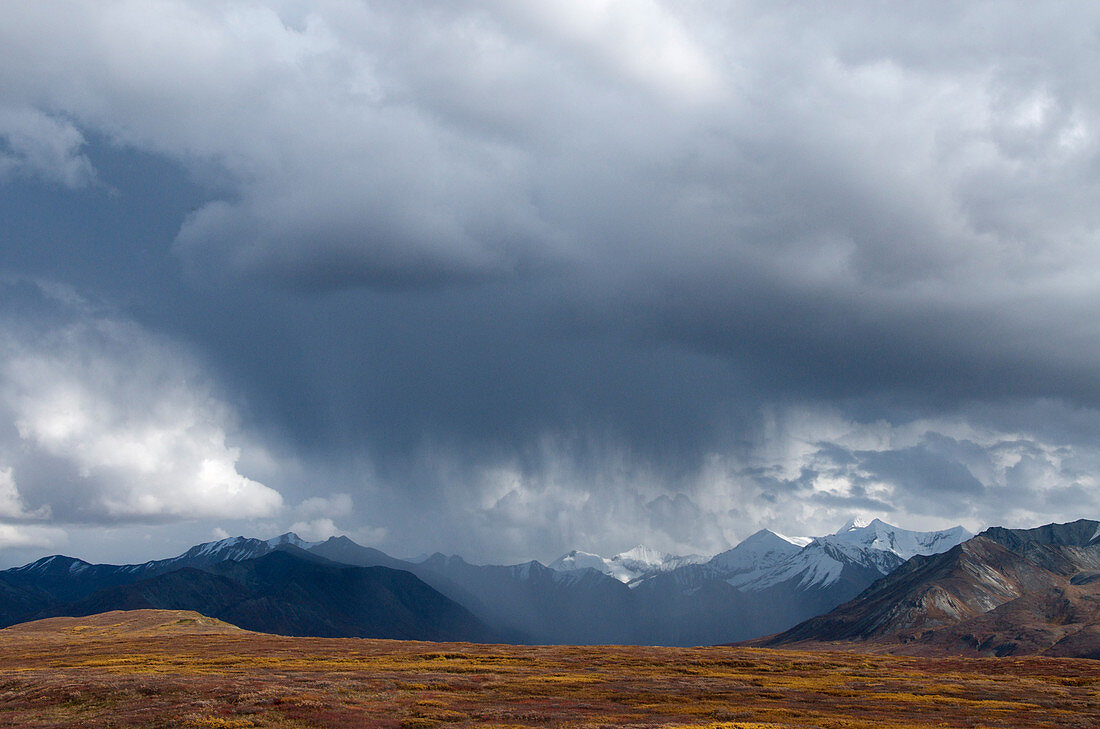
(629, 567)
(767, 558)
(578, 560)
(877, 534)
(644, 558)
(856, 522)
(235, 548)
(642, 555)
(822, 562)
(238, 548)
(760, 551)
(217, 547)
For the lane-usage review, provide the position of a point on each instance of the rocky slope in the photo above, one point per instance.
(1004, 592)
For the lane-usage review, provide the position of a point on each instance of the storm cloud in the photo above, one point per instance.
(508, 278)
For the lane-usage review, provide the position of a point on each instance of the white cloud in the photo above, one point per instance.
(956, 467)
(641, 40)
(100, 420)
(316, 530)
(317, 516)
(35, 144)
(19, 536)
(335, 505)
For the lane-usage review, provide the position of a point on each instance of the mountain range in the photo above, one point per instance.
(1003, 592)
(766, 584)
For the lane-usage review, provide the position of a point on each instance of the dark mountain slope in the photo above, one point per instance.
(66, 579)
(293, 593)
(542, 605)
(343, 550)
(19, 600)
(185, 589)
(527, 603)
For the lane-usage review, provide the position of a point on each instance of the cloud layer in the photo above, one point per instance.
(558, 277)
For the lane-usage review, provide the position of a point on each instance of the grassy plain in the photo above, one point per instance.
(168, 669)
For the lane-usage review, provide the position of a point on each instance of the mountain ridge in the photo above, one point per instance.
(1003, 592)
(765, 584)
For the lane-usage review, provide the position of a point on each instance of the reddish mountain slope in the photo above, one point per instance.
(1004, 592)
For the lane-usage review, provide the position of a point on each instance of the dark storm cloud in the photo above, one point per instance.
(578, 274)
(925, 481)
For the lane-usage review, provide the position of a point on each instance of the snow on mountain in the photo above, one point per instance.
(643, 560)
(856, 522)
(578, 560)
(822, 562)
(628, 567)
(877, 534)
(54, 564)
(230, 548)
(235, 548)
(238, 548)
(767, 558)
(758, 553)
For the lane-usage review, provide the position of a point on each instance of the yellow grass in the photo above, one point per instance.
(149, 671)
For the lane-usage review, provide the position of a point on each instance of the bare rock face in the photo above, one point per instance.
(1004, 592)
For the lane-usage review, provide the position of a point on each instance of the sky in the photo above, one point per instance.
(505, 278)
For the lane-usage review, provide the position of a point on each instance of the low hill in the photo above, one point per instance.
(118, 624)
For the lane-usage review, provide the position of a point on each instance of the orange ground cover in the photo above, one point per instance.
(166, 669)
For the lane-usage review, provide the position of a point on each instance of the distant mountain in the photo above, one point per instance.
(65, 579)
(341, 549)
(756, 555)
(233, 579)
(1004, 592)
(879, 535)
(291, 592)
(766, 584)
(770, 582)
(539, 604)
(702, 604)
(527, 603)
(628, 567)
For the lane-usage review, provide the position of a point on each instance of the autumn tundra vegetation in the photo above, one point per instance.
(163, 669)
